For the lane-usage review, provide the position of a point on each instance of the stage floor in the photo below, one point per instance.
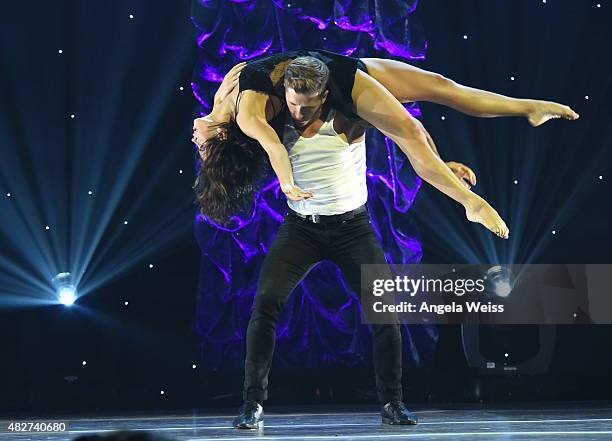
(572, 421)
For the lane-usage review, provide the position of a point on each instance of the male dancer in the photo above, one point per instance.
(328, 159)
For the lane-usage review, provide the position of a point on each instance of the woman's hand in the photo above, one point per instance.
(230, 81)
(295, 193)
(465, 174)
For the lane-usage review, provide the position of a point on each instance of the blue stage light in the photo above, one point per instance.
(500, 280)
(66, 291)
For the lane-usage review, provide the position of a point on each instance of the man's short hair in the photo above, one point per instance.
(307, 75)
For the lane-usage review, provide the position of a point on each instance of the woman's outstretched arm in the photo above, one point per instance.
(380, 108)
(253, 122)
(409, 83)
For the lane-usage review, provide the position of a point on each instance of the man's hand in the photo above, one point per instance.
(465, 174)
(229, 82)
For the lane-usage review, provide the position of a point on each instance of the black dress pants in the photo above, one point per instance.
(299, 245)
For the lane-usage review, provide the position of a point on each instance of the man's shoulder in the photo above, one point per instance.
(352, 128)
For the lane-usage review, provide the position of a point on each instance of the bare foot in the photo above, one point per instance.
(543, 111)
(480, 211)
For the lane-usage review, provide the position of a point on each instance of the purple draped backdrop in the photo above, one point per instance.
(320, 325)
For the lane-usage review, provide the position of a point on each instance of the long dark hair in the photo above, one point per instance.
(232, 169)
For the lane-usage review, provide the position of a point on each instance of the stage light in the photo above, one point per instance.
(500, 280)
(64, 286)
(66, 296)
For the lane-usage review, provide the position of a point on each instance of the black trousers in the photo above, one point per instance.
(299, 245)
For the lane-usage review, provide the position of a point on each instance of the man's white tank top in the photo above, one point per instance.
(331, 168)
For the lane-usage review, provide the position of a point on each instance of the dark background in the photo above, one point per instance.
(557, 51)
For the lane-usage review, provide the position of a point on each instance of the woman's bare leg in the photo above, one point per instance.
(409, 83)
(380, 108)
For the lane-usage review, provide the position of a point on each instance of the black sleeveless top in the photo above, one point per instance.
(256, 76)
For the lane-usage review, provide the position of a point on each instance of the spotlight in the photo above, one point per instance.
(500, 280)
(65, 289)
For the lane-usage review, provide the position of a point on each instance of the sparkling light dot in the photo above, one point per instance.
(90, 192)
(150, 265)
(506, 355)
(511, 78)
(60, 51)
(72, 116)
(554, 232)
(599, 5)
(180, 171)
(600, 177)
(125, 222)
(515, 182)
(8, 195)
(193, 366)
(442, 118)
(162, 392)
(465, 37)
(47, 227)
(181, 88)
(126, 303)
(543, 1)
(586, 97)
(131, 16)
(84, 362)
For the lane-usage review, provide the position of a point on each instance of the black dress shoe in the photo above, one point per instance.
(395, 412)
(250, 417)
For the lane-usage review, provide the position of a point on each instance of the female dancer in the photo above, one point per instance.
(370, 88)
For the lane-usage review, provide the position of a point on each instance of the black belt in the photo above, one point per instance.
(331, 218)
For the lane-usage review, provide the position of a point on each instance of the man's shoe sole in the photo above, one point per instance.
(258, 425)
(390, 421)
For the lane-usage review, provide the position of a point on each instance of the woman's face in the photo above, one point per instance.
(205, 129)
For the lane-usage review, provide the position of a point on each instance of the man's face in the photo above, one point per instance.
(303, 107)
